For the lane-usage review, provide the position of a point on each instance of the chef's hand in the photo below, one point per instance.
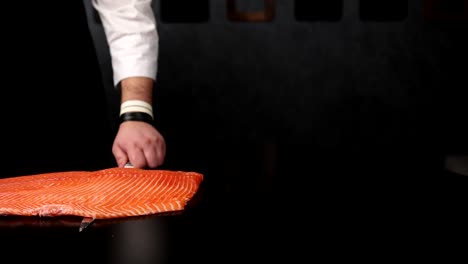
(140, 144)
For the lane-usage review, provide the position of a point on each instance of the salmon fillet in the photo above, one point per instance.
(103, 194)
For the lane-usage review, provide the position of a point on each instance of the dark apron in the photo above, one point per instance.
(55, 113)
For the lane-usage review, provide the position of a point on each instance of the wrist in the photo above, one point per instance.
(137, 88)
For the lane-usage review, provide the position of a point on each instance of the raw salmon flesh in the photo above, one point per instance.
(102, 194)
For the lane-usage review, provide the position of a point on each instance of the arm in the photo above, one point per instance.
(131, 33)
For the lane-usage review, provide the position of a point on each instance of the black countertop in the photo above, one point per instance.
(257, 203)
(243, 209)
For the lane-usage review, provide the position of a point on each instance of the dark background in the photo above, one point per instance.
(321, 72)
(341, 112)
(321, 133)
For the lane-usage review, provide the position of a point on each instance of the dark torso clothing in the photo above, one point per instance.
(54, 105)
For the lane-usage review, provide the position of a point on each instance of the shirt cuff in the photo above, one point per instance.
(134, 55)
(133, 68)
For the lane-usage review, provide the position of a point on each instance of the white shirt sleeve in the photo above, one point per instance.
(130, 29)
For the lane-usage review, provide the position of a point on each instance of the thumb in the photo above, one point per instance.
(120, 157)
